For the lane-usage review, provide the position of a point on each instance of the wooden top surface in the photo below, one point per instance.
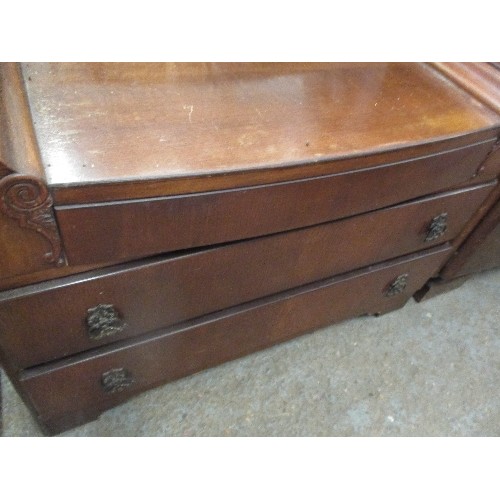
(113, 122)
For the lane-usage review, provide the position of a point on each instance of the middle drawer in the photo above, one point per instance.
(43, 322)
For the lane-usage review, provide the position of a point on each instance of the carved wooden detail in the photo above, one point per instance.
(27, 199)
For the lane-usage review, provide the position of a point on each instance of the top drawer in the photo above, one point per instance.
(124, 230)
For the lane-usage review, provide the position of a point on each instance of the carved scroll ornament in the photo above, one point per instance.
(27, 199)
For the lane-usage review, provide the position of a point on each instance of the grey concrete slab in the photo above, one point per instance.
(429, 369)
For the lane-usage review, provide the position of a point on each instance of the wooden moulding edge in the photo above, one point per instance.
(24, 195)
(482, 80)
(19, 152)
(135, 189)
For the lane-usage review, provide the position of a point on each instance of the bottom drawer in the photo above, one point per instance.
(71, 391)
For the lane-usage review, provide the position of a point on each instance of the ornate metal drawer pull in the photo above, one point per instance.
(397, 286)
(103, 321)
(116, 380)
(437, 227)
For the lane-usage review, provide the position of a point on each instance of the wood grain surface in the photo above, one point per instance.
(18, 143)
(481, 250)
(114, 123)
(157, 293)
(479, 79)
(238, 205)
(116, 231)
(70, 391)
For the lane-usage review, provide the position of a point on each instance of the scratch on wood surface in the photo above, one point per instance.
(190, 107)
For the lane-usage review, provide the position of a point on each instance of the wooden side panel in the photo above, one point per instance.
(133, 229)
(21, 251)
(18, 146)
(29, 239)
(492, 163)
(80, 386)
(481, 251)
(477, 248)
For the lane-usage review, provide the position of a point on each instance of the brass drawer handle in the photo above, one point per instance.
(103, 321)
(397, 286)
(116, 380)
(437, 227)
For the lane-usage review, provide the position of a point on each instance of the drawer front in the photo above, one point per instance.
(107, 376)
(119, 231)
(45, 322)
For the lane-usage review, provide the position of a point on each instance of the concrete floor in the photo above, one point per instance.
(429, 369)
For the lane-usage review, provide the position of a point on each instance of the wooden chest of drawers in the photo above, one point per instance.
(158, 219)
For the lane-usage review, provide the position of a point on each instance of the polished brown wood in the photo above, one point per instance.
(477, 248)
(70, 391)
(74, 125)
(22, 184)
(107, 231)
(19, 151)
(44, 322)
(1, 409)
(21, 253)
(202, 211)
(123, 124)
(481, 251)
(147, 188)
(479, 79)
(27, 278)
(489, 202)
